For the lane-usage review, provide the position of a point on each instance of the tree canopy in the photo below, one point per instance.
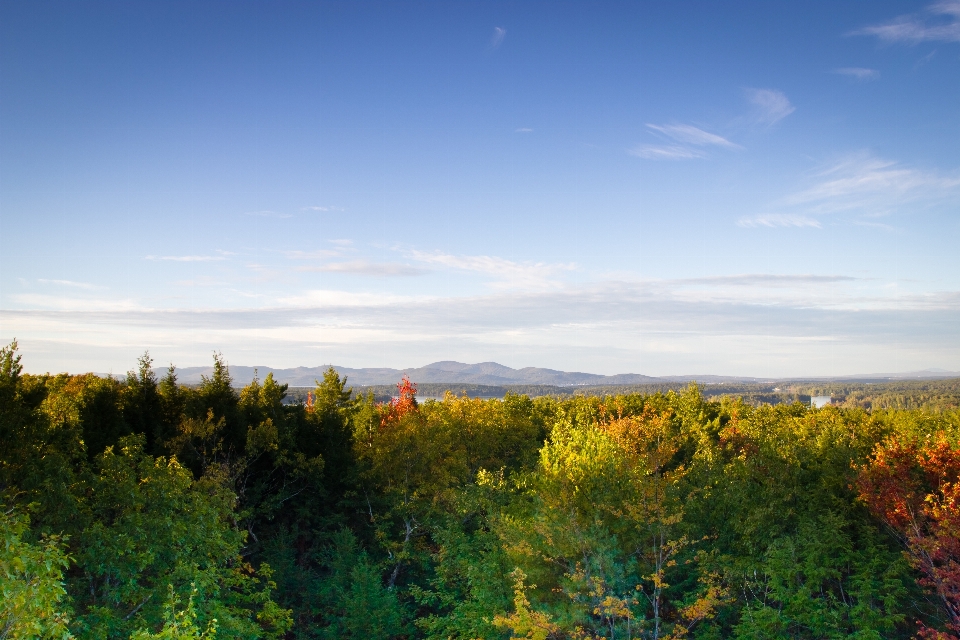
(140, 507)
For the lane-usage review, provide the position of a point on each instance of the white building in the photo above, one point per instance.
(820, 401)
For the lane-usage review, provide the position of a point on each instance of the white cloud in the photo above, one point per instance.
(336, 301)
(365, 268)
(938, 22)
(222, 256)
(771, 105)
(858, 73)
(874, 225)
(665, 152)
(523, 130)
(765, 280)
(871, 185)
(323, 208)
(686, 143)
(499, 33)
(340, 247)
(68, 283)
(318, 254)
(751, 324)
(506, 273)
(864, 187)
(688, 134)
(778, 220)
(69, 303)
(269, 214)
(201, 281)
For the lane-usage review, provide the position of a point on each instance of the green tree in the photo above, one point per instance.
(600, 532)
(179, 625)
(273, 469)
(357, 603)
(150, 524)
(173, 401)
(142, 405)
(43, 447)
(31, 581)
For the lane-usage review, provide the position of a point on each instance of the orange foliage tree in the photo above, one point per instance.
(915, 488)
(403, 403)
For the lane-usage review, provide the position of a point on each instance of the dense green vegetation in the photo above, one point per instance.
(142, 508)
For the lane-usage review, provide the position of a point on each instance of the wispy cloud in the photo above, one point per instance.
(858, 73)
(665, 152)
(69, 283)
(875, 225)
(689, 134)
(938, 22)
(523, 130)
(366, 268)
(69, 303)
(686, 142)
(791, 290)
(269, 214)
(499, 33)
(336, 302)
(778, 220)
(754, 324)
(770, 105)
(872, 185)
(188, 258)
(506, 273)
(323, 208)
(201, 281)
(766, 280)
(318, 254)
(863, 187)
(341, 246)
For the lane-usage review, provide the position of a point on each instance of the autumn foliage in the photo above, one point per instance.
(405, 402)
(915, 488)
(141, 506)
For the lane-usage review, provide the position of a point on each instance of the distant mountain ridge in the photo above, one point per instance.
(492, 373)
(486, 373)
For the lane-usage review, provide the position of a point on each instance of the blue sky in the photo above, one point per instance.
(651, 187)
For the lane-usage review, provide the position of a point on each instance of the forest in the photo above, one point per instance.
(930, 394)
(140, 508)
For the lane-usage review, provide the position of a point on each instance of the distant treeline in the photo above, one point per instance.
(907, 394)
(143, 508)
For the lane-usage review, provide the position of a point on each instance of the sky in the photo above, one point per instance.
(666, 188)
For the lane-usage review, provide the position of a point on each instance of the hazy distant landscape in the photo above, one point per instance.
(493, 374)
(930, 389)
(934, 394)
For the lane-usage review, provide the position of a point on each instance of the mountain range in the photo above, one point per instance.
(492, 373)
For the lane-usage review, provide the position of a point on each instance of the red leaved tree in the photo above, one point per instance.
(405, 402)
(915, 488)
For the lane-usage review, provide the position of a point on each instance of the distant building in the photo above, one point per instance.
(820, 401)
